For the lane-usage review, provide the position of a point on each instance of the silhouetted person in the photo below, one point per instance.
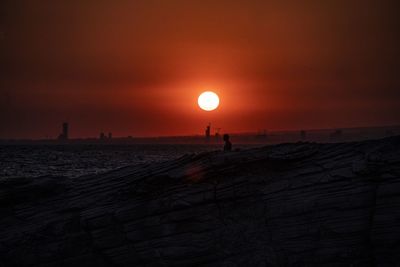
(228, 144)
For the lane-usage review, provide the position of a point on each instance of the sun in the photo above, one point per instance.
(208, 101)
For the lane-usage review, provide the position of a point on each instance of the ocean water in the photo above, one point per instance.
(77, 160)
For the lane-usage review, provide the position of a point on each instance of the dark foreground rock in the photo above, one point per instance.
(287, 205)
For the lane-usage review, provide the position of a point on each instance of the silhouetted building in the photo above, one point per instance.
(64, 134)
(208, 131)
(105, 137)
(65, 130)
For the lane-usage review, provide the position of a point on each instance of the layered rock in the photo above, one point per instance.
(302, 204)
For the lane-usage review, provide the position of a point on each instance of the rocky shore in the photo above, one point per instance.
(299, 204)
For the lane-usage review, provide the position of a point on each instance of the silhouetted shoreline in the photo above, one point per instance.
(294, 204)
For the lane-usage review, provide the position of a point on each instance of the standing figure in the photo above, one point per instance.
(228, 144)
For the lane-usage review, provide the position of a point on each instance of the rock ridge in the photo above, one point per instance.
(294, 204)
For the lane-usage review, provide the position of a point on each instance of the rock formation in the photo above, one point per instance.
(302, 204)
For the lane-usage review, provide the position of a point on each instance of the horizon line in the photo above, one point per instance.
(243, 133)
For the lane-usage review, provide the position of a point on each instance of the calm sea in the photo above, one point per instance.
(77, 160)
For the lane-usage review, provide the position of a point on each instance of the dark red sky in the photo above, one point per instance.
(137, 67)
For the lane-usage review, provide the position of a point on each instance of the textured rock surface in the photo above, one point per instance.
(286, 205)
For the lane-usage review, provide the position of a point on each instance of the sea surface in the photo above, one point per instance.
(77, 160)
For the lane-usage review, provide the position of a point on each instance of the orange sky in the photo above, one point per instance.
(137, 67)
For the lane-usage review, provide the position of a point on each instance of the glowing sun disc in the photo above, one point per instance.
(208, 101)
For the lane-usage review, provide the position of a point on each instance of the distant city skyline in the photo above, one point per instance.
(211, 132)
